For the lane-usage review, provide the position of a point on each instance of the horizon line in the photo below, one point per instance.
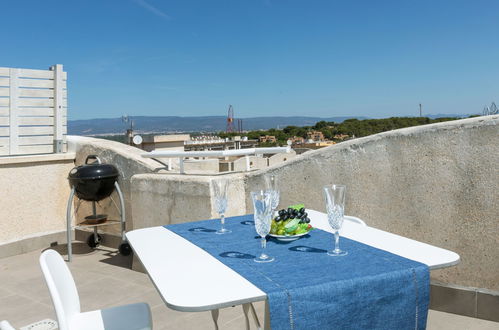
(315, 117)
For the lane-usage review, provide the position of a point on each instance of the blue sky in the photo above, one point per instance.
(265, 57)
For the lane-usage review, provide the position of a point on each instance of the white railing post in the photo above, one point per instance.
(14, 112)
(181, 165)
(58, 109)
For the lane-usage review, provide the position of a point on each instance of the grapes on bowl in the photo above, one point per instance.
(291, 223)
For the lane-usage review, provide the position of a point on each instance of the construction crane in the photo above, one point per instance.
(230, 120)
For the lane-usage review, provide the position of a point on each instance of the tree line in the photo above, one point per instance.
(333, 131)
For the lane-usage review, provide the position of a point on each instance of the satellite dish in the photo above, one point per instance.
(137, 139)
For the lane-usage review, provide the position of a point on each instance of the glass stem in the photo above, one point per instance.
(222, 221)
(337, 241)
(264, 244)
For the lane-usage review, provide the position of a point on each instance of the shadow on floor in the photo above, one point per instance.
(78, 248)
(110, 256)
(116, 259)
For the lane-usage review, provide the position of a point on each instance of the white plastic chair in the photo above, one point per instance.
(67, 302)
(355, 220)
(46, 324)
(4, 325)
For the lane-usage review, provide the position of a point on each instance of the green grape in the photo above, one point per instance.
(291, 226)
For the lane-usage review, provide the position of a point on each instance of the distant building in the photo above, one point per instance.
(296, 140)
(317, 144)
(341, 137)
(267, 138)
(200, 143)
(315, 136)
(172, 142)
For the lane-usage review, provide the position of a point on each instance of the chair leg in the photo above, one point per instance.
(214, 316)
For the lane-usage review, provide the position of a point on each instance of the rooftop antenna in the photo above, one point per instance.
(492, 110)
(230, 119)
(129, 132)
(127, 119)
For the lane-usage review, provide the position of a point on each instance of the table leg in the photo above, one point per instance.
(246, 319)
(250, 308)
(266, 322)
(214, 315)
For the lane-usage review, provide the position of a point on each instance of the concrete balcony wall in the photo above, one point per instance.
(34, 192)
(209, 165)
(436, 183)
(174, 198)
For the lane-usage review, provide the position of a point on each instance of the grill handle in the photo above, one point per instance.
(93, 157)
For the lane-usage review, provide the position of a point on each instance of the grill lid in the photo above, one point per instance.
(95, 170)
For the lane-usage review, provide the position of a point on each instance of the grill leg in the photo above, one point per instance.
(122, 210)
(68, 223)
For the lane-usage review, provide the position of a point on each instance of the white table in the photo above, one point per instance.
(191, 280)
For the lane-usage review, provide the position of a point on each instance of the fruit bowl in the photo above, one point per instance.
(287, 238)
(290, 224)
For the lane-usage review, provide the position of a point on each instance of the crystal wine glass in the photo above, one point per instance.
(220, 189)
(263, 208)
(335, 205)
(271, 185)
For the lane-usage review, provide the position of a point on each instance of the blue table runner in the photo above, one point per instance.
(307, 289)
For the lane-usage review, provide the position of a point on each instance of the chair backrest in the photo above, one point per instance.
(61, 286)
(355, 220)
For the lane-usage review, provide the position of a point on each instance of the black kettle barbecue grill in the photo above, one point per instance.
(93, 182)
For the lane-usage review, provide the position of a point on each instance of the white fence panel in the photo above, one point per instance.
(33, 111)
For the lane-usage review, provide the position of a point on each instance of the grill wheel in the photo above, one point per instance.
(92, 242)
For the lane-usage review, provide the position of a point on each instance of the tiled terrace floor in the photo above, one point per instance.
(104, 279)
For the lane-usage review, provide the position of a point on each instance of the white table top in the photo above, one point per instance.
(189, 279)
